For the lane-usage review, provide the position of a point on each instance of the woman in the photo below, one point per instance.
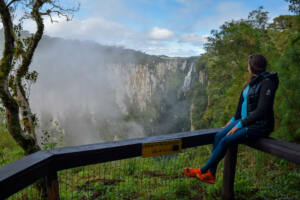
(254, 117)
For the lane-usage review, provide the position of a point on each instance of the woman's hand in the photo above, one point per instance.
(227, 124)
(234, 129)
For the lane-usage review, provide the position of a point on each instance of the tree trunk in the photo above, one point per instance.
(27, 142)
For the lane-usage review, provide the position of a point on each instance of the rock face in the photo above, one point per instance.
(143, 81)
(90, 93)
(199, 99)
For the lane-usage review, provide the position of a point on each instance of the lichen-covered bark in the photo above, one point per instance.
(27, 142)
(28, 117)
(6, 61)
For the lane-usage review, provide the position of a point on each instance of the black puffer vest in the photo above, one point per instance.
(266, 121)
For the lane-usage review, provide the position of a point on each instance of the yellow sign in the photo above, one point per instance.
(161, 148)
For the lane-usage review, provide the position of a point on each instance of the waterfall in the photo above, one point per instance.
(188, 79)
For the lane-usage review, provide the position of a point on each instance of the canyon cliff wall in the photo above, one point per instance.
(88, 93)
(95, 93)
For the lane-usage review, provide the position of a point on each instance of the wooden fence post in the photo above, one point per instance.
(52, 186)
(229, 172)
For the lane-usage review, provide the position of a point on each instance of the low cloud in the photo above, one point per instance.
(97, 29)
(193, 38)
(157, 41)
(161, 34)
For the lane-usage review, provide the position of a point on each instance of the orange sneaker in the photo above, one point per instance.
(207, 177)
(190, 172)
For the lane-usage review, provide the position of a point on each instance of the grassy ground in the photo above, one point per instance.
(9, 150)
(258, 176)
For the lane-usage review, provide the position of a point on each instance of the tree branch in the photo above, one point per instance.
(28, 117)
(11, 2)
(27, 57)
(60, 11)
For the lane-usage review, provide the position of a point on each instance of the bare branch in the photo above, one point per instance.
(11, 2)
(60, 11)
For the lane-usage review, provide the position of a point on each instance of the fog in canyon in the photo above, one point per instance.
(88, 93)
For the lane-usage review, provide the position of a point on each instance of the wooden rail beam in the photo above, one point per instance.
(282, 149)
(279, 148)
(24, 172)
(229, 173)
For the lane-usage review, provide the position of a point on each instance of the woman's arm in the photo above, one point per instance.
(238, 111)
(239, 107)
(265, 103)
(232, 120)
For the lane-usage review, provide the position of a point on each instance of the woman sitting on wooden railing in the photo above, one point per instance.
(254, 117)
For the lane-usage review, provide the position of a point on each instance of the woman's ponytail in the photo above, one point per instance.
(248, 81)
(258, 64)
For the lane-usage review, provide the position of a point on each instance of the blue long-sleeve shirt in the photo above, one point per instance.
(264, 110)
(244, 108)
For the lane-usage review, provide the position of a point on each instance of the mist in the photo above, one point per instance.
(90, 93)
(77, 91)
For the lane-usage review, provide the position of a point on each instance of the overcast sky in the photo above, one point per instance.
(160, 27)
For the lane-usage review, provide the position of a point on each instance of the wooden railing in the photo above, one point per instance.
(279, 148)
(45, 164)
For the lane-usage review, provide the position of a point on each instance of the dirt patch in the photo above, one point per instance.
(159, 174)
(104, 181)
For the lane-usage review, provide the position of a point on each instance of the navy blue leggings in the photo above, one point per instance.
(223, 141)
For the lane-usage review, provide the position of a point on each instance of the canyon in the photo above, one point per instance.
(88, 93)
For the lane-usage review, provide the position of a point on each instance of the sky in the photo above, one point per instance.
(157, 27)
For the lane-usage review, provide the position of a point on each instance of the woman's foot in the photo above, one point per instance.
(190, 172)
(206, 177)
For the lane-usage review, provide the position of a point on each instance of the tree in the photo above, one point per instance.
(16, 59)
(258, 18)
(294, 6)
(227, 53)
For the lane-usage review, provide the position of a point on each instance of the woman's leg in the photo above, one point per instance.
(221, 148)
(217, 139)
(219, 135)
(253, 134)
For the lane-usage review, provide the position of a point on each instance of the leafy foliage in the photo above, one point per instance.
(226, 65)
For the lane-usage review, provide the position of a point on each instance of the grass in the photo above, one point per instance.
(9, 150)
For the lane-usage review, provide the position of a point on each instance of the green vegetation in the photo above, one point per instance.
(9, 150)
(226, 64)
